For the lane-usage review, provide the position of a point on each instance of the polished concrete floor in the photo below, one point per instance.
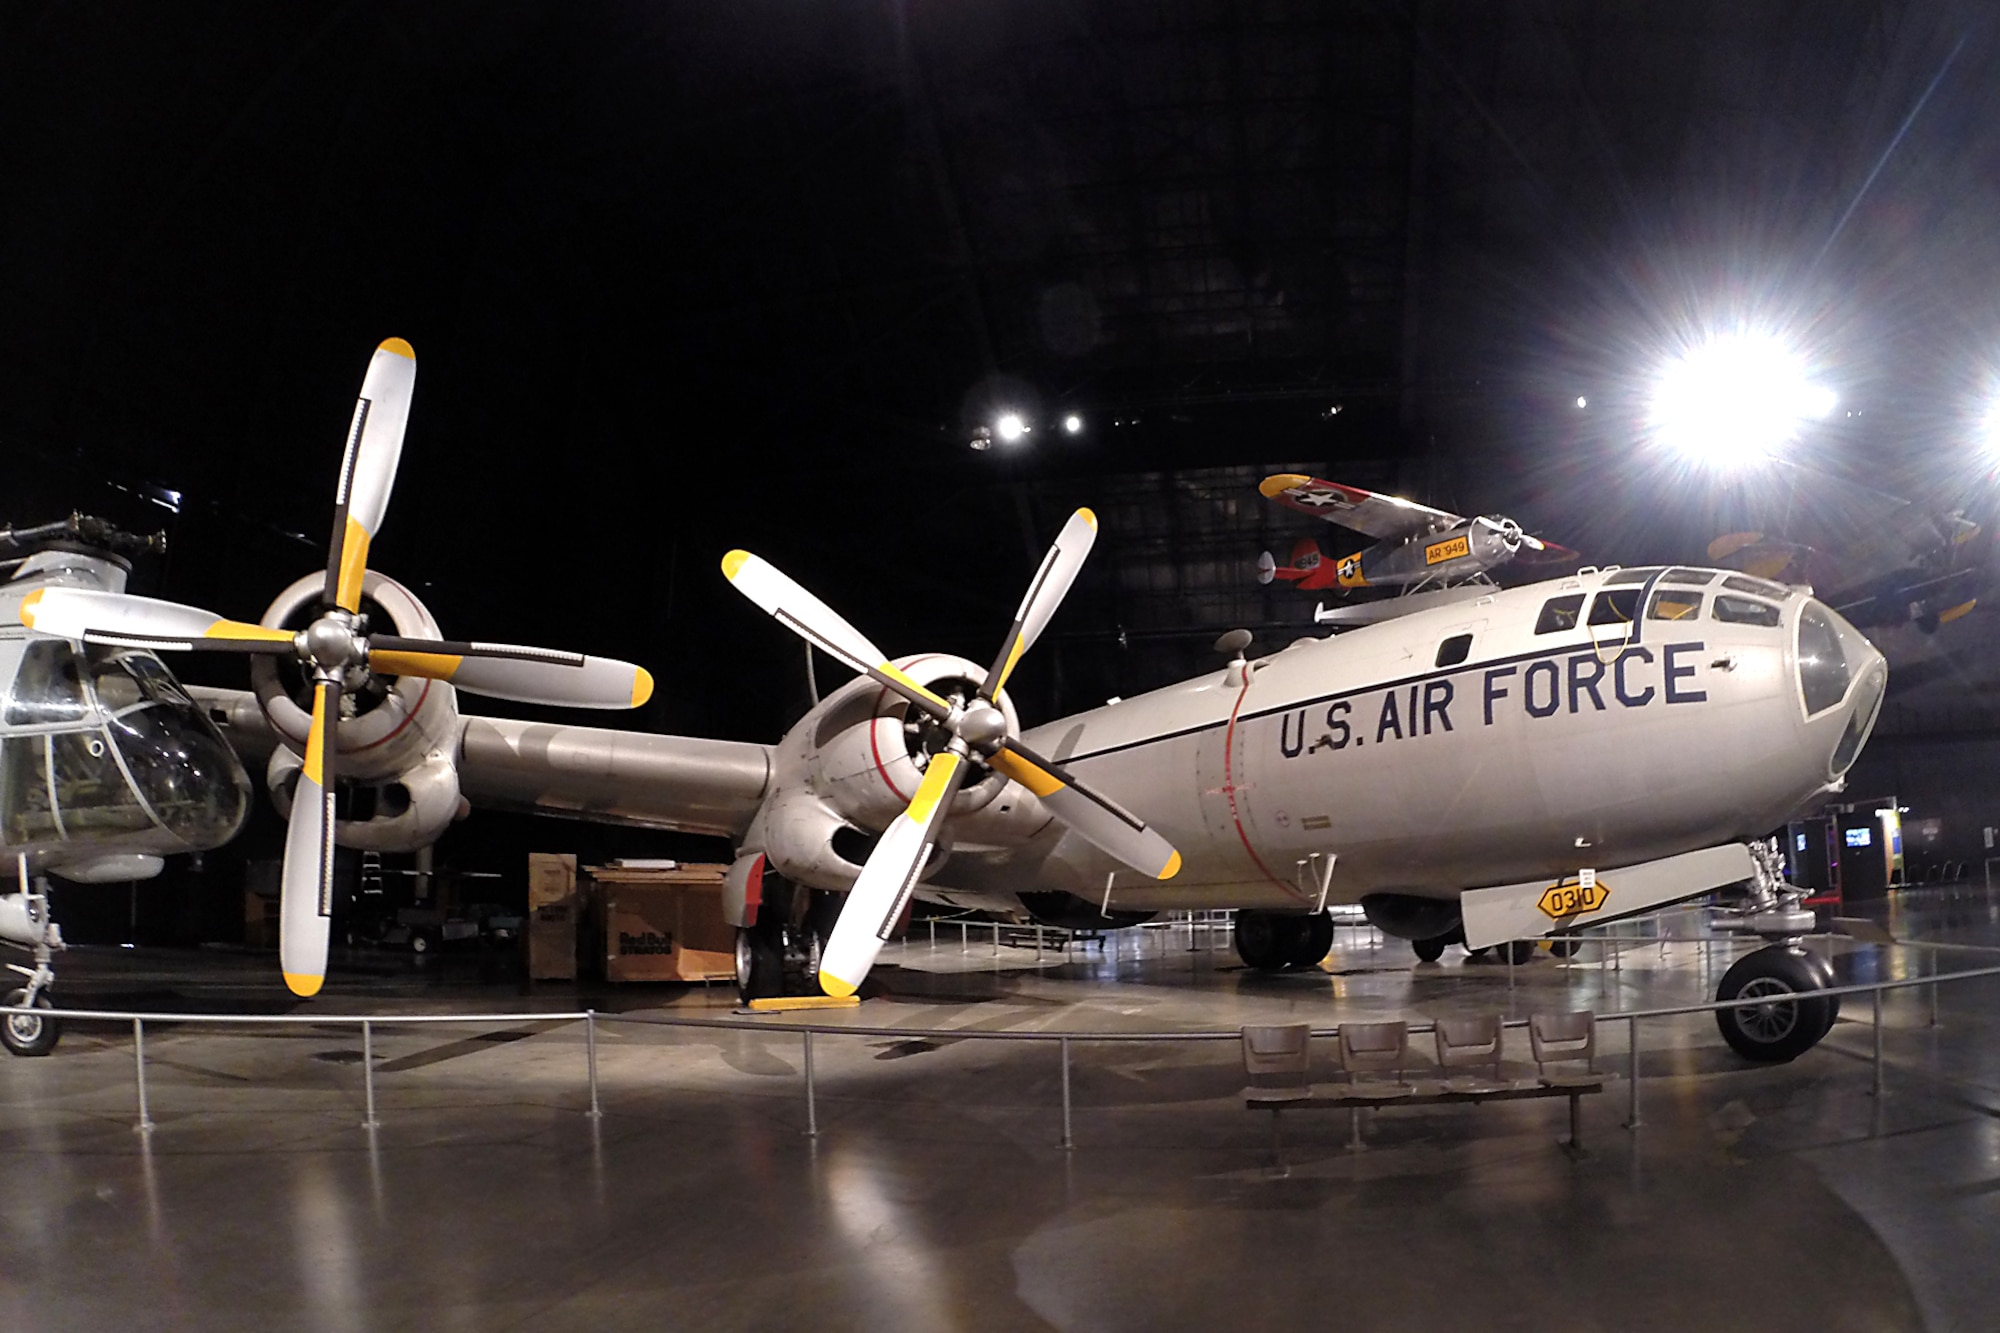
(937, 1195)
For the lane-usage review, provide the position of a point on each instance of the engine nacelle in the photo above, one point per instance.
(397, 737)
(852, 764)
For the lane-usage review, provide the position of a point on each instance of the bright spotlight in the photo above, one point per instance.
(1010, 427)
(1989, 431)
(1581, 401)
(1735, 399)
(1073, 424)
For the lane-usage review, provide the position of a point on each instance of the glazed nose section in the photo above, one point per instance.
(188, 775)
(1842, 677)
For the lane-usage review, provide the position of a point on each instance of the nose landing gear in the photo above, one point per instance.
(25, 924)
(1788, 1017)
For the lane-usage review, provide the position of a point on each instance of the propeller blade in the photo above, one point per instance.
(368, 470)
(305, 900)
(885, 883)
(1045, 593)
(90, 616)
(1094, 817)
(510, 671)
(821, 626)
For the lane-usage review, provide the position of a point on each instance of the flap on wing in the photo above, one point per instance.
(1366, 512)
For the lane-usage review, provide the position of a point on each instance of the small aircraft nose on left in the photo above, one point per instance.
(106, 767)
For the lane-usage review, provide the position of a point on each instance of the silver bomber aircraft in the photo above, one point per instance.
(1523, 764)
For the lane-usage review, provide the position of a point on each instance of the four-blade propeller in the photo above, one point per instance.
(338, 652)
(976, 728)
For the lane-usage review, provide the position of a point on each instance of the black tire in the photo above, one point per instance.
(1774, 1032)
(1566, 946)
(1515, 952)
(1430, 950)
(29, 1034)
(1260, 940)
(1311, 940)
(760, 966)
(1823, 965)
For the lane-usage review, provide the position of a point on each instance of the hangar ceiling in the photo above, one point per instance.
(688, 276)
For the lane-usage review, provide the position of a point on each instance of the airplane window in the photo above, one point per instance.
(1616, 607)
(1762, 587)
(1695, 576)
(155, 681)
(26, 812)
(1639, 575)
(1454, 650)
(1559, 613)
(116, 691)
(91, 790)
(48, 689)
(1744, 610)
(1822, 664)
(1673, 605)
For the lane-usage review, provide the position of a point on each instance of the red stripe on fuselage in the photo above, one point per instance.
(1229, 791)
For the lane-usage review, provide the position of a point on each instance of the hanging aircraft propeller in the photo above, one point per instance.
(337, 648)
(976, 728)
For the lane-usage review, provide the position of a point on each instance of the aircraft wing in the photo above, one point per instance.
(1367, 512)
(682, 784)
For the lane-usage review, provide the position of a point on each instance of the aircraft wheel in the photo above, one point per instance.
(1430, 950)
(1566, 946)
(1823, 965)
(29, 1034)
(760, 967)
(1260, 940)
(1311, 939)
(1773, 1031)
(1515, 951)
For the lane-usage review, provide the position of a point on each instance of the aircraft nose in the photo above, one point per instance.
(1842, 677)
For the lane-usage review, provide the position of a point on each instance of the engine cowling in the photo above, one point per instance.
(398, 745)
(852, 764)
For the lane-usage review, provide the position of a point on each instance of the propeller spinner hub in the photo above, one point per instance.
(983, 725)
(330, 643)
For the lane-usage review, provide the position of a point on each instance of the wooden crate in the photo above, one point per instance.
(664, 924)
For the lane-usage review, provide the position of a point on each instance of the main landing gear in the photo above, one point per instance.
(1274, 941)
(779, 955)
(25, 924)
(1773, 1028)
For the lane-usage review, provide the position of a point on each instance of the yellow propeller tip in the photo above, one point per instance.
(1173, 867)
(1088, 516)
(302, 985)
(399, 347)
(642, 687)
(834, 986)
(28, 605)
(733, 562)
(1282, 482)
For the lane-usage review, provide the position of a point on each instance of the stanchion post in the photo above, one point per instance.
(1068, 1142)
(812, 1109)
(1876, 996)
(1934, 988)
(590, 1053)
(368, 1073)
(1632, 1120)
(139, 1063)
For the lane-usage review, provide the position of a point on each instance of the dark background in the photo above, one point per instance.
(686, 276)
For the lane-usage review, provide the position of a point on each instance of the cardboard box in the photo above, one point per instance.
(553, 910)
(665, 925)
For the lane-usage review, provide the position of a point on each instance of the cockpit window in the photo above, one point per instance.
(1762, 587)
(1454, 650)
(1639, 575)
(1745, 611)
(1698, 577)
(1672, 604)
(1822, 664)
(1617, 606)
(48, 689)
(1559, 613)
